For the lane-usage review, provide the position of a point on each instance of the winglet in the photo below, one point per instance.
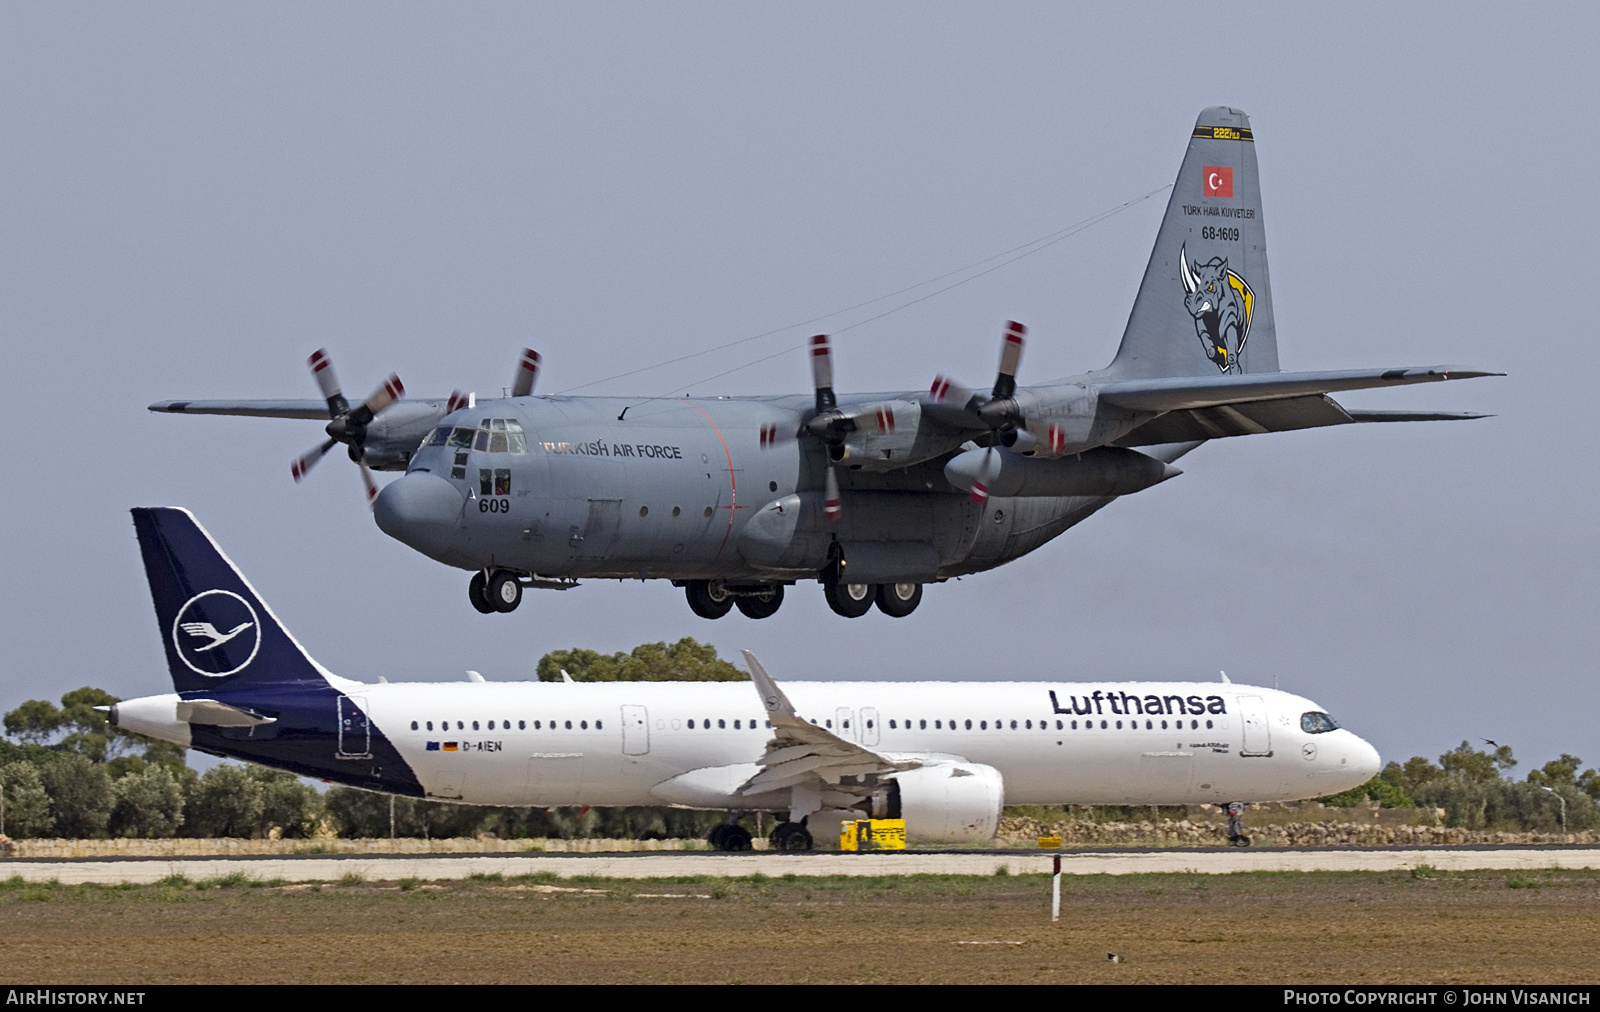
(772, 697)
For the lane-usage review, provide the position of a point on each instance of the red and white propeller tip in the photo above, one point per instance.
(831, 510)
(980, 487)
(389, 391)
(527, 373)
(1011, 355)
(947, 391)
(322, 371)
(306, 461)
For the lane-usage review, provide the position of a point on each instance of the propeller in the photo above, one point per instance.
(956, 404)
(829, 425)
(346, 425)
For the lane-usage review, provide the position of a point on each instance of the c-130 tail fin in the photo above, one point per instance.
(1205, 305)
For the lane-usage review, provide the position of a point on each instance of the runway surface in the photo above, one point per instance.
(322, 868)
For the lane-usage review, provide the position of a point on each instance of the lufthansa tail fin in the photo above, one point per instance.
(217, 631)
(1205, 305)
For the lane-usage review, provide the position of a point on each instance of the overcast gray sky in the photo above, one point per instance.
(197, 196)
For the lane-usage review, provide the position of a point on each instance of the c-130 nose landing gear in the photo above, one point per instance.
(494, 590)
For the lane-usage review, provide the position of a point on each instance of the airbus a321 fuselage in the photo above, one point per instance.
(943, 756)
(873, 495)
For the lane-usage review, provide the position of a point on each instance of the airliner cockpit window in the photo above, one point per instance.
(1317, 723)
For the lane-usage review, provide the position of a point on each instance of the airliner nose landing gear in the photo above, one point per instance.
(1236, 835)
(495, 591)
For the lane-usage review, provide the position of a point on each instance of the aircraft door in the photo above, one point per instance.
(599, 533)
(869, 725)
(635, 730)
(1257, 734)
(842, 724)
(355, 731)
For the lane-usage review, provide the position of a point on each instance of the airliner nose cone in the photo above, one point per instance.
(1364, 760)
(421, 510)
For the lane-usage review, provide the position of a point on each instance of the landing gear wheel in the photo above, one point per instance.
(852, 600)
(790, 836)
(729, 836)
(761, 605)
(478, 593)
(503, 590)
(707, 598)
(898, 600)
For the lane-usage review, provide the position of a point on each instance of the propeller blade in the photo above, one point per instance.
(328, 382)
(883, 416)
(306, 461)
(527, 373)
(458, 400)
(822, 373)
(372, 486)
(947, 391)
(980, 488)
(1005, 385)
(831, 510)
(773, 433)
(387, 393)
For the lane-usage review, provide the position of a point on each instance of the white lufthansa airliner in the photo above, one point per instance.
(944, 756)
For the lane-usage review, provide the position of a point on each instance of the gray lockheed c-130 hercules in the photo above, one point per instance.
(872, 495)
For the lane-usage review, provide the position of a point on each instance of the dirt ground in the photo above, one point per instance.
(1401, 927)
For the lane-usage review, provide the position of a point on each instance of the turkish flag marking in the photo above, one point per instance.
(1219, 180)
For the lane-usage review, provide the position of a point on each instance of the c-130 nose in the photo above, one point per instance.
(421, 510)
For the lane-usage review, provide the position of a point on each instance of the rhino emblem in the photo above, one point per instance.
(1221, 303)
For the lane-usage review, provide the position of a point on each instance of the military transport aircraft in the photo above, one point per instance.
(943, 756)
(873, 495)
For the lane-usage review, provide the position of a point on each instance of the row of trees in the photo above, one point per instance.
(1476, 791)
(68, 773)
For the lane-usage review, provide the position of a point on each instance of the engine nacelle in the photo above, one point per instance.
(948, 802)
(1103, 471)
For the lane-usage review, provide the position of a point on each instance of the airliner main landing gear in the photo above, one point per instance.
(729, 836)
(790, 836)
(499, 590)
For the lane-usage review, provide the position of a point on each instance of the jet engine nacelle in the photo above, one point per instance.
(1103, 471)
(945, 802)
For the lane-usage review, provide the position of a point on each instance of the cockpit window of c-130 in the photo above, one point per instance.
(496, 435)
